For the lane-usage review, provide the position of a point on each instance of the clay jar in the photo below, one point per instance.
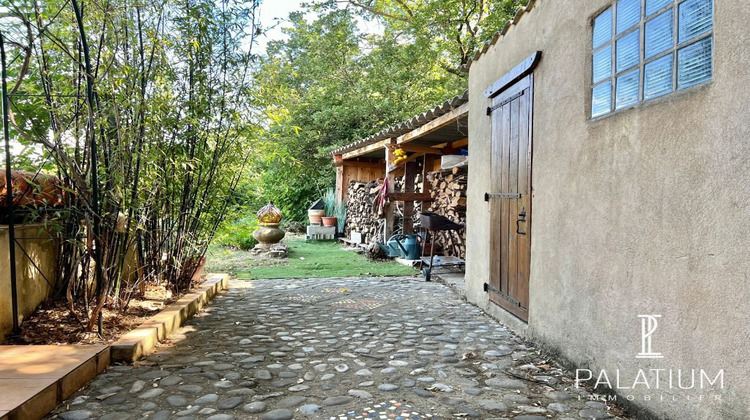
(329, 221)
(315, 216)
(268, 234)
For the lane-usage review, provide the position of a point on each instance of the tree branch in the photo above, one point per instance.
(376, 12)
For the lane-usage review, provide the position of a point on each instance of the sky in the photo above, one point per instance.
(277, 11)
(270, 12)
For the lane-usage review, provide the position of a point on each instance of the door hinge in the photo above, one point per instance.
(487, 196)
(491, 288)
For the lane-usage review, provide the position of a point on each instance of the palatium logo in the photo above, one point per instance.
(649, 324)
(655, 378)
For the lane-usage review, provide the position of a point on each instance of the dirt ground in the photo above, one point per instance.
(53, 323)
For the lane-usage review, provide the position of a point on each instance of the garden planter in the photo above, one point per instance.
(315, 216)
(32, 189)
(329, 221)
(198, 271)
(192, 268)
(268, 234)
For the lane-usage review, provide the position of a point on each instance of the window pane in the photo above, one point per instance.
(696, 17)
(694, 63)
(602, 64)
(653, 6)
(601, 99)
(659, 34)
(603, 28)
(627, 89)
(628, 50)
(628, 14)
(657, 77)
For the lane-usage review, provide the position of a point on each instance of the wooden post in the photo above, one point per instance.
(390, 217)
(340, 187)
(409, 173)
(429, 161)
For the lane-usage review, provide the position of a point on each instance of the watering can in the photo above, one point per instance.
(403, 246)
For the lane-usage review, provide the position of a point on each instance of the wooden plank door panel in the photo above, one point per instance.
(510, 214)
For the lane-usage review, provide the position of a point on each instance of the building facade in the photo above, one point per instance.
(609, 196)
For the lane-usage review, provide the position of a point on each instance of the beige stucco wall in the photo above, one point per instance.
(646, 211)
(32, 287)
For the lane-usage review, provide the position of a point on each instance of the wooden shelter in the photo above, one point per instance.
(422, 141)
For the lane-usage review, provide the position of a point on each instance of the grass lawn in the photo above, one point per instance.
(306, 260)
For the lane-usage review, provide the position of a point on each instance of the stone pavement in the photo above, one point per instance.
(393, 348)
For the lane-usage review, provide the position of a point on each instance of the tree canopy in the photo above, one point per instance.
(328, 83)
(159, 118)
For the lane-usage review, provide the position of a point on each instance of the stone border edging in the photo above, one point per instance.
(139, 342)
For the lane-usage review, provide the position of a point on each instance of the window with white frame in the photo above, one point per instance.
(644, 49)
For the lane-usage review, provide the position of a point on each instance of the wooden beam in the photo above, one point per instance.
(427, 164)
(366, 149)
(410, 172)
(420, 149)
(340, 190)
(435, 124)
(357, 164)
(411, 196)
(459, 143)
(413, 157)
(390, 217)
(455, 144)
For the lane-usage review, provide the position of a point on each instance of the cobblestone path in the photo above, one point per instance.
(337, 349)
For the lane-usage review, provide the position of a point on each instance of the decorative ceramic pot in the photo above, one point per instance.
(315, 216)
(268, 234)
(329, 221)
(269, 214)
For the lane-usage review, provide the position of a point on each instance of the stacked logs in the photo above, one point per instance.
(362, 213)
(360, 216)
(448, 190)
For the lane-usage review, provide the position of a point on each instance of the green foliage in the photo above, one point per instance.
(328, 85)
(329, 200)
(138, 106)
(238, 234)
(340, 213)
(292, 184)
(449, 30)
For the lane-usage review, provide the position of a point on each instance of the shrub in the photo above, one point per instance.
(329, 200)
(239, 233)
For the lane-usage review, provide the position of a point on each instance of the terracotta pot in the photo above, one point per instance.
(32, 189)
(192, 268)
(315, 216)
(329, 221)
(196, 277)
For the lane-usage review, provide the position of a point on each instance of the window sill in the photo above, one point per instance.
(670, 97)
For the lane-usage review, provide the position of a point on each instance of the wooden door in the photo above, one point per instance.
(510, 198)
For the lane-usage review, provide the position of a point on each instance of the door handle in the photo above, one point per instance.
(522, 218)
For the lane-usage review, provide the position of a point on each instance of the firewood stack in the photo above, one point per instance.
(448, 190)
(359, 210)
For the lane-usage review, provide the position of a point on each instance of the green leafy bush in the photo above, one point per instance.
(329, 200)
(340, 213)
(239, 233)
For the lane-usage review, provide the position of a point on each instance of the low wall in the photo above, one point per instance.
(33, 288)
